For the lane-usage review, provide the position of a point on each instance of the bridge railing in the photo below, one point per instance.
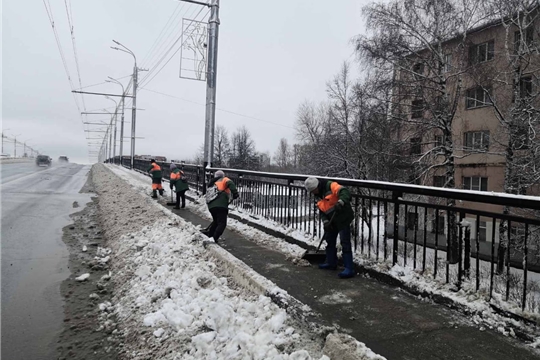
(484, 241)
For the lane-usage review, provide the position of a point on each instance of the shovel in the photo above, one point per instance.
(318, 256)
(172, 203)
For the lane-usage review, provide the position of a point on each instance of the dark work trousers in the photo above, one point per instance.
(344, 237)
(182, 195)
(219, 222)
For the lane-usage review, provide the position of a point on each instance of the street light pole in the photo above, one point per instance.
(134, 104)
(3, 140)
(210, 117)
(122, 120)
(111, 135)
(15, 145)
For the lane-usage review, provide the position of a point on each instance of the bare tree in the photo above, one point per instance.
(283, 155)
(511, 83)
(422, 44)
(243, 152)
(222, 147)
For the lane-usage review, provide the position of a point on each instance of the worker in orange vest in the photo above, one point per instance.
(157, 177)
(218, 197)
(337, 214)
(179, 182)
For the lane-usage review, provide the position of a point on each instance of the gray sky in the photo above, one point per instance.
(272, 56)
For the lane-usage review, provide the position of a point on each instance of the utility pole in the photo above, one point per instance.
(210, 116)
(122, 120)
(211, 80)
(134, 104)
(15, 145)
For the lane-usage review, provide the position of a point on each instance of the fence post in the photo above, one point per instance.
(467, 255)
(395, 197)
(289, 203)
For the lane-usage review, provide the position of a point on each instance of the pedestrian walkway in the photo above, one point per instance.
(391, 322)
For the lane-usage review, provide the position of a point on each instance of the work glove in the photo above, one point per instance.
(171, 186)
(339, 205)
(327, 225)
(235, 196)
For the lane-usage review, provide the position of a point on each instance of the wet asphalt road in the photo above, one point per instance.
(36, 204)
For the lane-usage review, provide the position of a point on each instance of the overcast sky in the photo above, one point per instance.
(272, 56)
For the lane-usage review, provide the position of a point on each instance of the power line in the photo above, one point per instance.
(223, 110)
(181, 6)
(72, 32)
(144, 80)
(169, 38)
(58, 44)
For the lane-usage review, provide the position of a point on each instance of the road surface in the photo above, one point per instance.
(36, 204)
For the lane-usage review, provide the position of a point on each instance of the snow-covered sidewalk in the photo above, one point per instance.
(174, 300)
(467, 299)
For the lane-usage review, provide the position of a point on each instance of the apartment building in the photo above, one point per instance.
(476, 80)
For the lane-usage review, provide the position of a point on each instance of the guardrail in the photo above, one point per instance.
(449, 234)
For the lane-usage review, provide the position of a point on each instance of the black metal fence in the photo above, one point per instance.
(488, 242)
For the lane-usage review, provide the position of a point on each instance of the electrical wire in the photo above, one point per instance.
(219, 109)
(178, 8)
(144, 81)
(72, 32)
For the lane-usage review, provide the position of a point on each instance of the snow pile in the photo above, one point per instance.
(172, 300)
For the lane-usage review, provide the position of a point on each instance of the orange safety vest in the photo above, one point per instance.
(222, 185)
(177, 176)
(155, 167)
(327, 203)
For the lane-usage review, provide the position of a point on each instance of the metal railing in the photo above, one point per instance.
(449, 234)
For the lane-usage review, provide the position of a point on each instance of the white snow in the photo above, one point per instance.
(477, 302)
(83, 277)
(170, 284)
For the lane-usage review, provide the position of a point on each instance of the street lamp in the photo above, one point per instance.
(15, 145)
(3, 139)
(122, 120)
(134, 104)
(25, 141)
(111, 135)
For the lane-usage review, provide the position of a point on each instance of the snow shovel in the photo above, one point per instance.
(318, 256)
(172, 203)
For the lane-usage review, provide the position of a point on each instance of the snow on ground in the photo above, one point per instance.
(173, 299)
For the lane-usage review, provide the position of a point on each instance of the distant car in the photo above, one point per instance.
(43, 160)
(63, 159)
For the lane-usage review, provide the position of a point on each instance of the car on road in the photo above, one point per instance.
(63, 158)
(43, 160)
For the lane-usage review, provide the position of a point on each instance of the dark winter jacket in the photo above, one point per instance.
(178, 180)
(226, 188)
(155, 170)
(330, 192)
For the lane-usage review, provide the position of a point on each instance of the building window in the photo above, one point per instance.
(478, 97)
(417, 109)
(525, 87)
(416, 146)
(476, 140)
(412, 221)
(529, 37)
(482, 231)
(447, 63)
(418, 70)
(483, 52)
(475, 183)
(439, 140)
(439, 181)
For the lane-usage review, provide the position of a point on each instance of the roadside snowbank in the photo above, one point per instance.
(173, 299)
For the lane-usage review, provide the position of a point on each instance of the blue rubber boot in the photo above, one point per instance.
(349, 271)
(331, 260)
